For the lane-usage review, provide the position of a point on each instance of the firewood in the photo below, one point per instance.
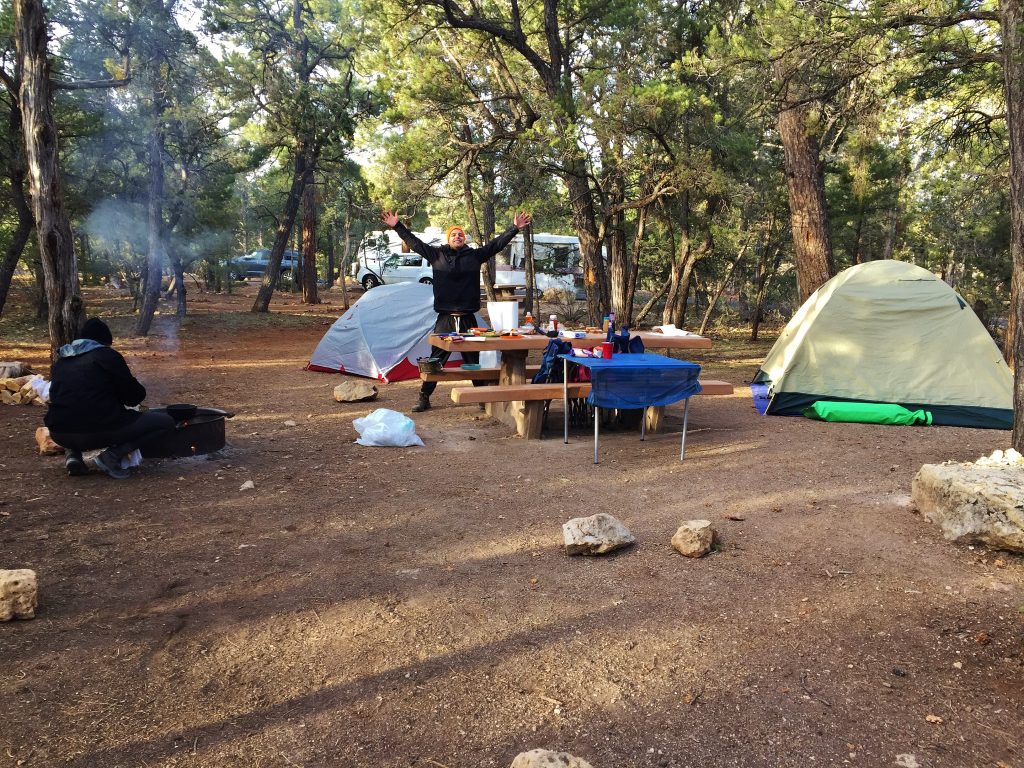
(47, 446)
(17, 383)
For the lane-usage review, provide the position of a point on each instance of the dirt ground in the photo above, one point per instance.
(413, 607)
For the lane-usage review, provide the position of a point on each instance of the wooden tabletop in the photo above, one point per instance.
(651, 339)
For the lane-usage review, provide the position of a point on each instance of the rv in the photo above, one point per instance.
(383, 258)
(556, 260)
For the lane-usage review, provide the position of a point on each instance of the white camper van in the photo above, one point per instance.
(382, 260)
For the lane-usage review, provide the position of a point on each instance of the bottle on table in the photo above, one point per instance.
(610, 331)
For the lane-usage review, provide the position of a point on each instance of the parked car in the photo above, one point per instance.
(383, 258)
(396, 268)
(255, 264)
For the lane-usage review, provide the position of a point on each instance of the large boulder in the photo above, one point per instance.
(981, 502)
(355, 391)
(543, 758)
(595, 535)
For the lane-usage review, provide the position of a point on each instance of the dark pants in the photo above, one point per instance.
(121, 441)
(447, 323)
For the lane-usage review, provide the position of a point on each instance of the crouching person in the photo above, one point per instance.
(91, 392)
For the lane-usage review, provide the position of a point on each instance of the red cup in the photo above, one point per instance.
(606, 350)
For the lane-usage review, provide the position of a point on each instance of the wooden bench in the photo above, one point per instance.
(484, 374)
(533, 397)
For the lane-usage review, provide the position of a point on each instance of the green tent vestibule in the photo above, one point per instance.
(890, 332)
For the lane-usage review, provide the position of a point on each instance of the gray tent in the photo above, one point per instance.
(890, 332)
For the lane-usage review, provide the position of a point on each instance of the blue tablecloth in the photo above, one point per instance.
(638, 381)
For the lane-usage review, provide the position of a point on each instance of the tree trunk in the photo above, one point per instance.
(345, 253)
(581, 203)
(181, 307)
(812, 245)
(487, 269)
(764, 280)
(309, 292)
(676, 272)
(618, 258)
(284, 228)
(530, 305)
(713, 299)
(23, 229)
(329, 240)
(155, 219)
(634, 266)
(655, 298)
(1012, 20)
(65, 309)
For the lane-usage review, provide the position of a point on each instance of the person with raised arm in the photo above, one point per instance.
(456, 275)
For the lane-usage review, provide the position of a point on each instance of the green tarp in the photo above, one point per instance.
(866, 413)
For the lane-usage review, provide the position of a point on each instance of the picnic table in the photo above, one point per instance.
(520, 404)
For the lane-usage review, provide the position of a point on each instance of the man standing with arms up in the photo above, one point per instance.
(456, 269)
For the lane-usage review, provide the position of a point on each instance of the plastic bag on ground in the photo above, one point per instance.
(385, 427)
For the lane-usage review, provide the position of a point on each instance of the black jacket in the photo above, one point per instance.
(456, 272)
(90, 385)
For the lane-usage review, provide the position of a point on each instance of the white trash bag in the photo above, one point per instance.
(386, 427)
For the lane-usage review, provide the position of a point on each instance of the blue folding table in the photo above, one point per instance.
(642, 380)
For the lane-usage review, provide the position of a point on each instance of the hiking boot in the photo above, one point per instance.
(75, 464)
(422, 405)
(107, 462)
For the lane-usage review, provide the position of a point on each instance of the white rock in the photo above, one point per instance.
(694, 538)
(290, 423)
(907, 761)
(595, 535)
(543, 758)
(248, 485)
(1009, 456)
(18, 594)
(974, 502)
(355, 391)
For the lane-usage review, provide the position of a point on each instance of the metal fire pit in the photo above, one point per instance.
(203, 433)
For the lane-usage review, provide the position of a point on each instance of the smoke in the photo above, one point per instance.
(113, 223)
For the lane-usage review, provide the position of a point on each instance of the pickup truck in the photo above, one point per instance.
(255, 264)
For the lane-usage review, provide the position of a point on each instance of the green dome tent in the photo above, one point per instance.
(890, 332)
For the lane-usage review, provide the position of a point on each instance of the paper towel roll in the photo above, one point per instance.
(504, 315)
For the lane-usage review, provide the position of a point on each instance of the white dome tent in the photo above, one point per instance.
(381, 335)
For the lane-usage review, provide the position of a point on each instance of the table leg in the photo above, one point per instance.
(686, 415)
(597, 422)
(565, 401)
(526, 417)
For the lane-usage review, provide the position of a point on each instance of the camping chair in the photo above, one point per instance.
(551, 372)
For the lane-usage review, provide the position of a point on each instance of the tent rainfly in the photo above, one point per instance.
(381, 335)
(890, 332)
